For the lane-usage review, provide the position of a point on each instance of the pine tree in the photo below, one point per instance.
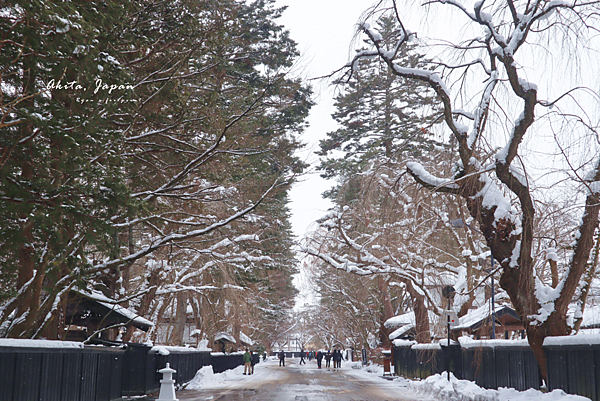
(61, 181)
(382, 118)
(202, 123)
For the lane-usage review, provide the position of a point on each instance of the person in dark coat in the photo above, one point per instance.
(328, 359)
(319, 358)
(281, 358)
(302, 361)
(337, 359)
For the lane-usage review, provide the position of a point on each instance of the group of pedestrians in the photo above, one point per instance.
(335, 356)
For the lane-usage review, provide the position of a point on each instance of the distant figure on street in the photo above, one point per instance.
(328, 359)
(302, 361)
(247, 362)
(319, 358)
(281, 358)
(252, 363)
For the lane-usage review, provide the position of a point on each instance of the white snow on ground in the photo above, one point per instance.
(435, 387)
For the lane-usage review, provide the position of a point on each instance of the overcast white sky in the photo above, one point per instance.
(323, 30)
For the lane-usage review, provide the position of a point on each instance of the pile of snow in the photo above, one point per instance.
(440, 388)
(206, 378)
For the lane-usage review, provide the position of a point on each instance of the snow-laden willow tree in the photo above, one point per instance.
(520, 102)
(164, 184)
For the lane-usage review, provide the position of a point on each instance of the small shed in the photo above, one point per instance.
(479, 321)
(222, 339)
(91, 311)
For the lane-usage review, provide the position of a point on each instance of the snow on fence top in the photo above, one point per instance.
(17, 342)
(228, 353)
(404, 343)
(427, 346)
(166, 350)
(467, 342)
(579, 339)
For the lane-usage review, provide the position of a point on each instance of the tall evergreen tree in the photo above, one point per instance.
(151, 184)
(61, 181)
(382, 118)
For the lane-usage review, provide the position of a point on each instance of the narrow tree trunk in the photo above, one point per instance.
(386, 311)
(421, 314)
(180, 319)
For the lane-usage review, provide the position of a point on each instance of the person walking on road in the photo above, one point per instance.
(253, 362)
(302, 361)
(334, 356)
(319, 358)
(247, 362)
(282, 358)
(328, 359)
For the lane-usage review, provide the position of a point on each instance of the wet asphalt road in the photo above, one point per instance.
(302, 383)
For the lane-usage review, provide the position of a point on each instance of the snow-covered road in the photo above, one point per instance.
(295, 383)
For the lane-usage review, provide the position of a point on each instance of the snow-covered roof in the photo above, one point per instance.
(222, 336)
(400, 331)
(407, 318)
(477, 316)
(244, 339)
(109, 303)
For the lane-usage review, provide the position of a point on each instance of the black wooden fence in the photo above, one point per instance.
(97, 373)
(574, 368)
(50, 374)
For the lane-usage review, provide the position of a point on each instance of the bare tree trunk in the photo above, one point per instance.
(180, 319)
(588, 283)
(421, 314)
(386, 311)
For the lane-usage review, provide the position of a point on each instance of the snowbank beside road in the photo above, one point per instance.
(437, 387)
(464, 390)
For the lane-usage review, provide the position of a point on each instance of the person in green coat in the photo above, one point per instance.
(247, 362)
